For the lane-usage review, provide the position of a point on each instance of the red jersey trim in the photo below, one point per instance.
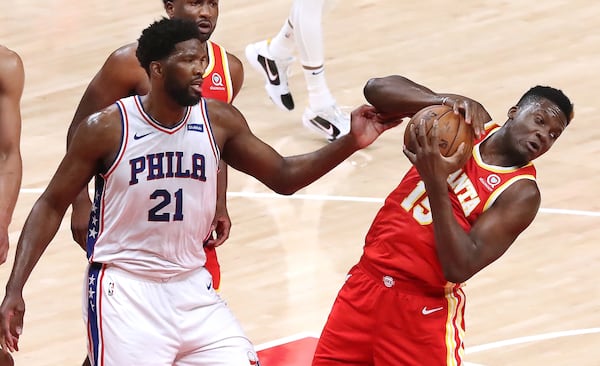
(152, 122)
(218, 55)
(503, 187)
(493, 168)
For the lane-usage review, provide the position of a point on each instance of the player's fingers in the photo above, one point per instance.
(6, 339)
(457, 158)
(434, 139)
(409, 154)
(387, 125)
(421, 133)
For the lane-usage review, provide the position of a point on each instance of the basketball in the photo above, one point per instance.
(6, 359)
(452, 129)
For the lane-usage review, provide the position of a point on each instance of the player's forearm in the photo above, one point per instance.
(299, 171)
(10, 183)
(222, 186)
(398, 95)
(41, 226)
(453, 245)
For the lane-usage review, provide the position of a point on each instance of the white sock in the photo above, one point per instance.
(282, 45)
(319, 96)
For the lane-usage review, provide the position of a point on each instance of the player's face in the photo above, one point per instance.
(203, 12)
(535, 127)
(183, 71)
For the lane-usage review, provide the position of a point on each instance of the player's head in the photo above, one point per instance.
(170, 50)
(203, 12)
(538, 119)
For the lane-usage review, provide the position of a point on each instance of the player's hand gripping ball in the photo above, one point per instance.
(452, 129)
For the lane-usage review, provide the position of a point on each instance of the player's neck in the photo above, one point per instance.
(495, 151)
(163, 109)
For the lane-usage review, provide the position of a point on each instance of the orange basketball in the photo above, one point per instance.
(452, 129)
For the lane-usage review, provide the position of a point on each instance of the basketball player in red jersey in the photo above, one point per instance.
(12, 79)
(403, 304)
(121, 76)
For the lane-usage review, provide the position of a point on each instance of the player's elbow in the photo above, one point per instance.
(372, 89)
(457, 274)
(284, 189)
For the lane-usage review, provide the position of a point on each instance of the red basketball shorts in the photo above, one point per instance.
(377, 320)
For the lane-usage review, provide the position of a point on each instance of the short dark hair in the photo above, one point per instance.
(554, 95)
(159, 39)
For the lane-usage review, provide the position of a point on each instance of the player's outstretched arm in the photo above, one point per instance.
(12, 79)
(118, 78)
(400, 97)
(94, 146)
(245, 152)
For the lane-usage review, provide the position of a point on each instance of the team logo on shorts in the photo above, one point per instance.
(253, 358)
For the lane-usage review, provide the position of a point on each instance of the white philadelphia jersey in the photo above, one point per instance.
(154, 206)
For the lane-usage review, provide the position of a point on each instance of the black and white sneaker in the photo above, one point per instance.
(274, 71)
(330, 122)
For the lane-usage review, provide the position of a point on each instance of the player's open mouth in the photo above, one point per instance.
(197, 87)
(533, 147)
(204, 25)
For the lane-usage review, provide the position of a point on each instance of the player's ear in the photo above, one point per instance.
(156, 68)
(512, 112)
(169, 8)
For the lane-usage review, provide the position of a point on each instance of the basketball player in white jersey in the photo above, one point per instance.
(302, 31)
(148, 299)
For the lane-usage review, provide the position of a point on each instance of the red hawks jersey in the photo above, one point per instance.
(401, 243)
(216, 82)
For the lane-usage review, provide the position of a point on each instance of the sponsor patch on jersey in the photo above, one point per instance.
(195, 127)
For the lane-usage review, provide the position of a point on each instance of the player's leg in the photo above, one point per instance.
(426, 330)
(130, 321)
(210, 333)
(322, 114)
(349, 332)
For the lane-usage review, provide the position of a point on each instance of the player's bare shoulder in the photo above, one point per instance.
(125, 54)
(103, 127)
(225, 119)
(236, 70)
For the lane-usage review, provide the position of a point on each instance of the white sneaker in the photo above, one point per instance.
(275, 72)
(330, 122)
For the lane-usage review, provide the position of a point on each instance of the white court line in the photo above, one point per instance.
(318, 197)
(469, 350)
(532, 338)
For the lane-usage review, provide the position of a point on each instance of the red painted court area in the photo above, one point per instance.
(293, 351)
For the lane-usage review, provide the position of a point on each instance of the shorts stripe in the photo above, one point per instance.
(455, 327)
(96, 344)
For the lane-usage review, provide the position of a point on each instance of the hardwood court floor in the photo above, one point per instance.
(287, 256)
